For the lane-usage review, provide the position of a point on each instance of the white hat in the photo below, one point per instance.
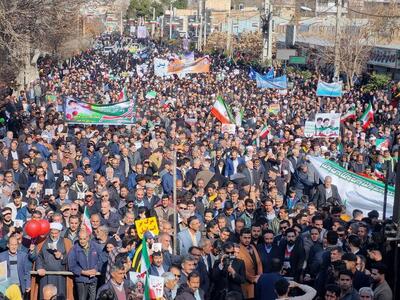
(56, 225)
(297, 140)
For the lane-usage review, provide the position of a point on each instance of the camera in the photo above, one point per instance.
(227, 260)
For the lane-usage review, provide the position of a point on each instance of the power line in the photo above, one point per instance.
(371, 15)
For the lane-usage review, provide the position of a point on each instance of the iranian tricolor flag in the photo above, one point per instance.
(123, 95)
(144, 268)
(382, 144)
(367, 117)
(86, 220)
(264, 132)
(350, 114)
(222, 111)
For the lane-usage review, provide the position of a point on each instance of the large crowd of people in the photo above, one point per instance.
(253, 219)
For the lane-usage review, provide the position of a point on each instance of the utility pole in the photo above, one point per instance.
(121, 23)
(170, 20)
(205, 29)
(229, 36)
(153, 25)
(267, 32)
(162, 27)
(200, 36)
(337, 39)
(174, 201)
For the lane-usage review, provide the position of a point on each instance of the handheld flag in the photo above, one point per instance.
(350, 114)
(222, 111)
(264, 132)
(86, 220)
(367, 117)
(123, 95)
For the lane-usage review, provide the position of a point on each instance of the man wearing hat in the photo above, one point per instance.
(53, 257)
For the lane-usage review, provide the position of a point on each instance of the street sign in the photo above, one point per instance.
(298, 60)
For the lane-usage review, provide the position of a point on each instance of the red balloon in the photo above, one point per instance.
(32, 228)
(44, 227)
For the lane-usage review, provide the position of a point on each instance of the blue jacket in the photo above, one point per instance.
(24, 266)
(154, 271)
(265, 286)
(112, 222)
(42, 149)
(229, 169)
(95, 161)
(23, 214)
(78, 261)
(185, 241)
(167, 183)
(132, 181)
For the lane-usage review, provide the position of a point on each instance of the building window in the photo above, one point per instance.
(241, 6)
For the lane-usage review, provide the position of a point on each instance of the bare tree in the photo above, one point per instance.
(29, 24)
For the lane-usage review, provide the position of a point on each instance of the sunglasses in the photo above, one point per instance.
(230, 252)
(177, 276)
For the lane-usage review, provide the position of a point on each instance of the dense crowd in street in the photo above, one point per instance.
(253, 218)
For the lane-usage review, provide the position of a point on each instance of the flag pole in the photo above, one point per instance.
(174, 200)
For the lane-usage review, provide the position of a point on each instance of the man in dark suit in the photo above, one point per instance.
(196, 252)
(251, 176)
(265, 285)
(268, 251)
(228, 273)
(326, 192)
(292, 254)
(233, 162)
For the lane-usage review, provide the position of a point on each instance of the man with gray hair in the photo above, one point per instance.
(49, 292)
(366, 293)
(188, 266)
(327, 192)
(170, 285)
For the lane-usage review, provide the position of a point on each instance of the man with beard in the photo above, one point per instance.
(292, 254)
(267, 250)
(25, 213)
(228, 273)
(381, 288)
(248, 253)
(248, 215)
(53, 257)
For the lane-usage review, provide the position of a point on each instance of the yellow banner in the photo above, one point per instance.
(149, 224)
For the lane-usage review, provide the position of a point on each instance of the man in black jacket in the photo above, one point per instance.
(228, 273)
(267, 250)
(292, 255)
(327, 192)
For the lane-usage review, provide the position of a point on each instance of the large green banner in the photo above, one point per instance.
(79, 112)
